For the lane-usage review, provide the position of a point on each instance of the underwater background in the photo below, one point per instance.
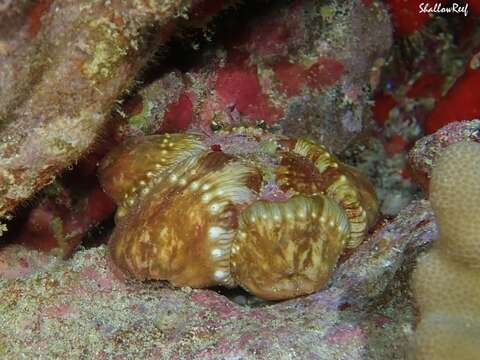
(204, 179)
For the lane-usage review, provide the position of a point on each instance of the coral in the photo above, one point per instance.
(99, 72)
(79, 308)
(65, 65)
(240, 206)
(446, 281)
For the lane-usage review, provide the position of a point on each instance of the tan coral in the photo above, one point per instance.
(190, 209)
(199, 212)
(447, 279)
(346, 186)
(287, 249)
(133, 166)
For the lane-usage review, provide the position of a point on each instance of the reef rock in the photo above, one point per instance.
(63, 64)
(424, 154)
(306, 66)
(68, 309)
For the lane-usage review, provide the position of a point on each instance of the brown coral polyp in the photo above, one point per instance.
(237, 207)
(286, 249)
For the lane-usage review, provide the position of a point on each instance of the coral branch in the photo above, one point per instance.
(447, 281)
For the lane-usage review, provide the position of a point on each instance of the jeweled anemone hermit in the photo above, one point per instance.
(240, 207)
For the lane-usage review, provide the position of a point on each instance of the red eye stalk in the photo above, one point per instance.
(216, 147)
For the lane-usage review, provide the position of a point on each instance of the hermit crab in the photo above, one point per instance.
(237, 207)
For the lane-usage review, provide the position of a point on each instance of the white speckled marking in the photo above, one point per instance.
(215, 208)
(217, 252)
(195, 185)
(215, 231)
(219, 275)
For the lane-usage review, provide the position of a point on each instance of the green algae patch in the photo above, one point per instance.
(143, 119)
(107, 53)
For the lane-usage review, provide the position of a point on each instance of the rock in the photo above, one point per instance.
(423, 155)
(81, 308)
(64, 67)
(302, 66)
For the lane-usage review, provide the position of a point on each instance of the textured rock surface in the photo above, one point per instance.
(423, 155)
(80, 308)
(414, 80)
(307, 66)
(60, 73)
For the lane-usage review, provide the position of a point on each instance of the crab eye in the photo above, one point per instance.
(216, 125)
(261, 125)
(475, 134)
